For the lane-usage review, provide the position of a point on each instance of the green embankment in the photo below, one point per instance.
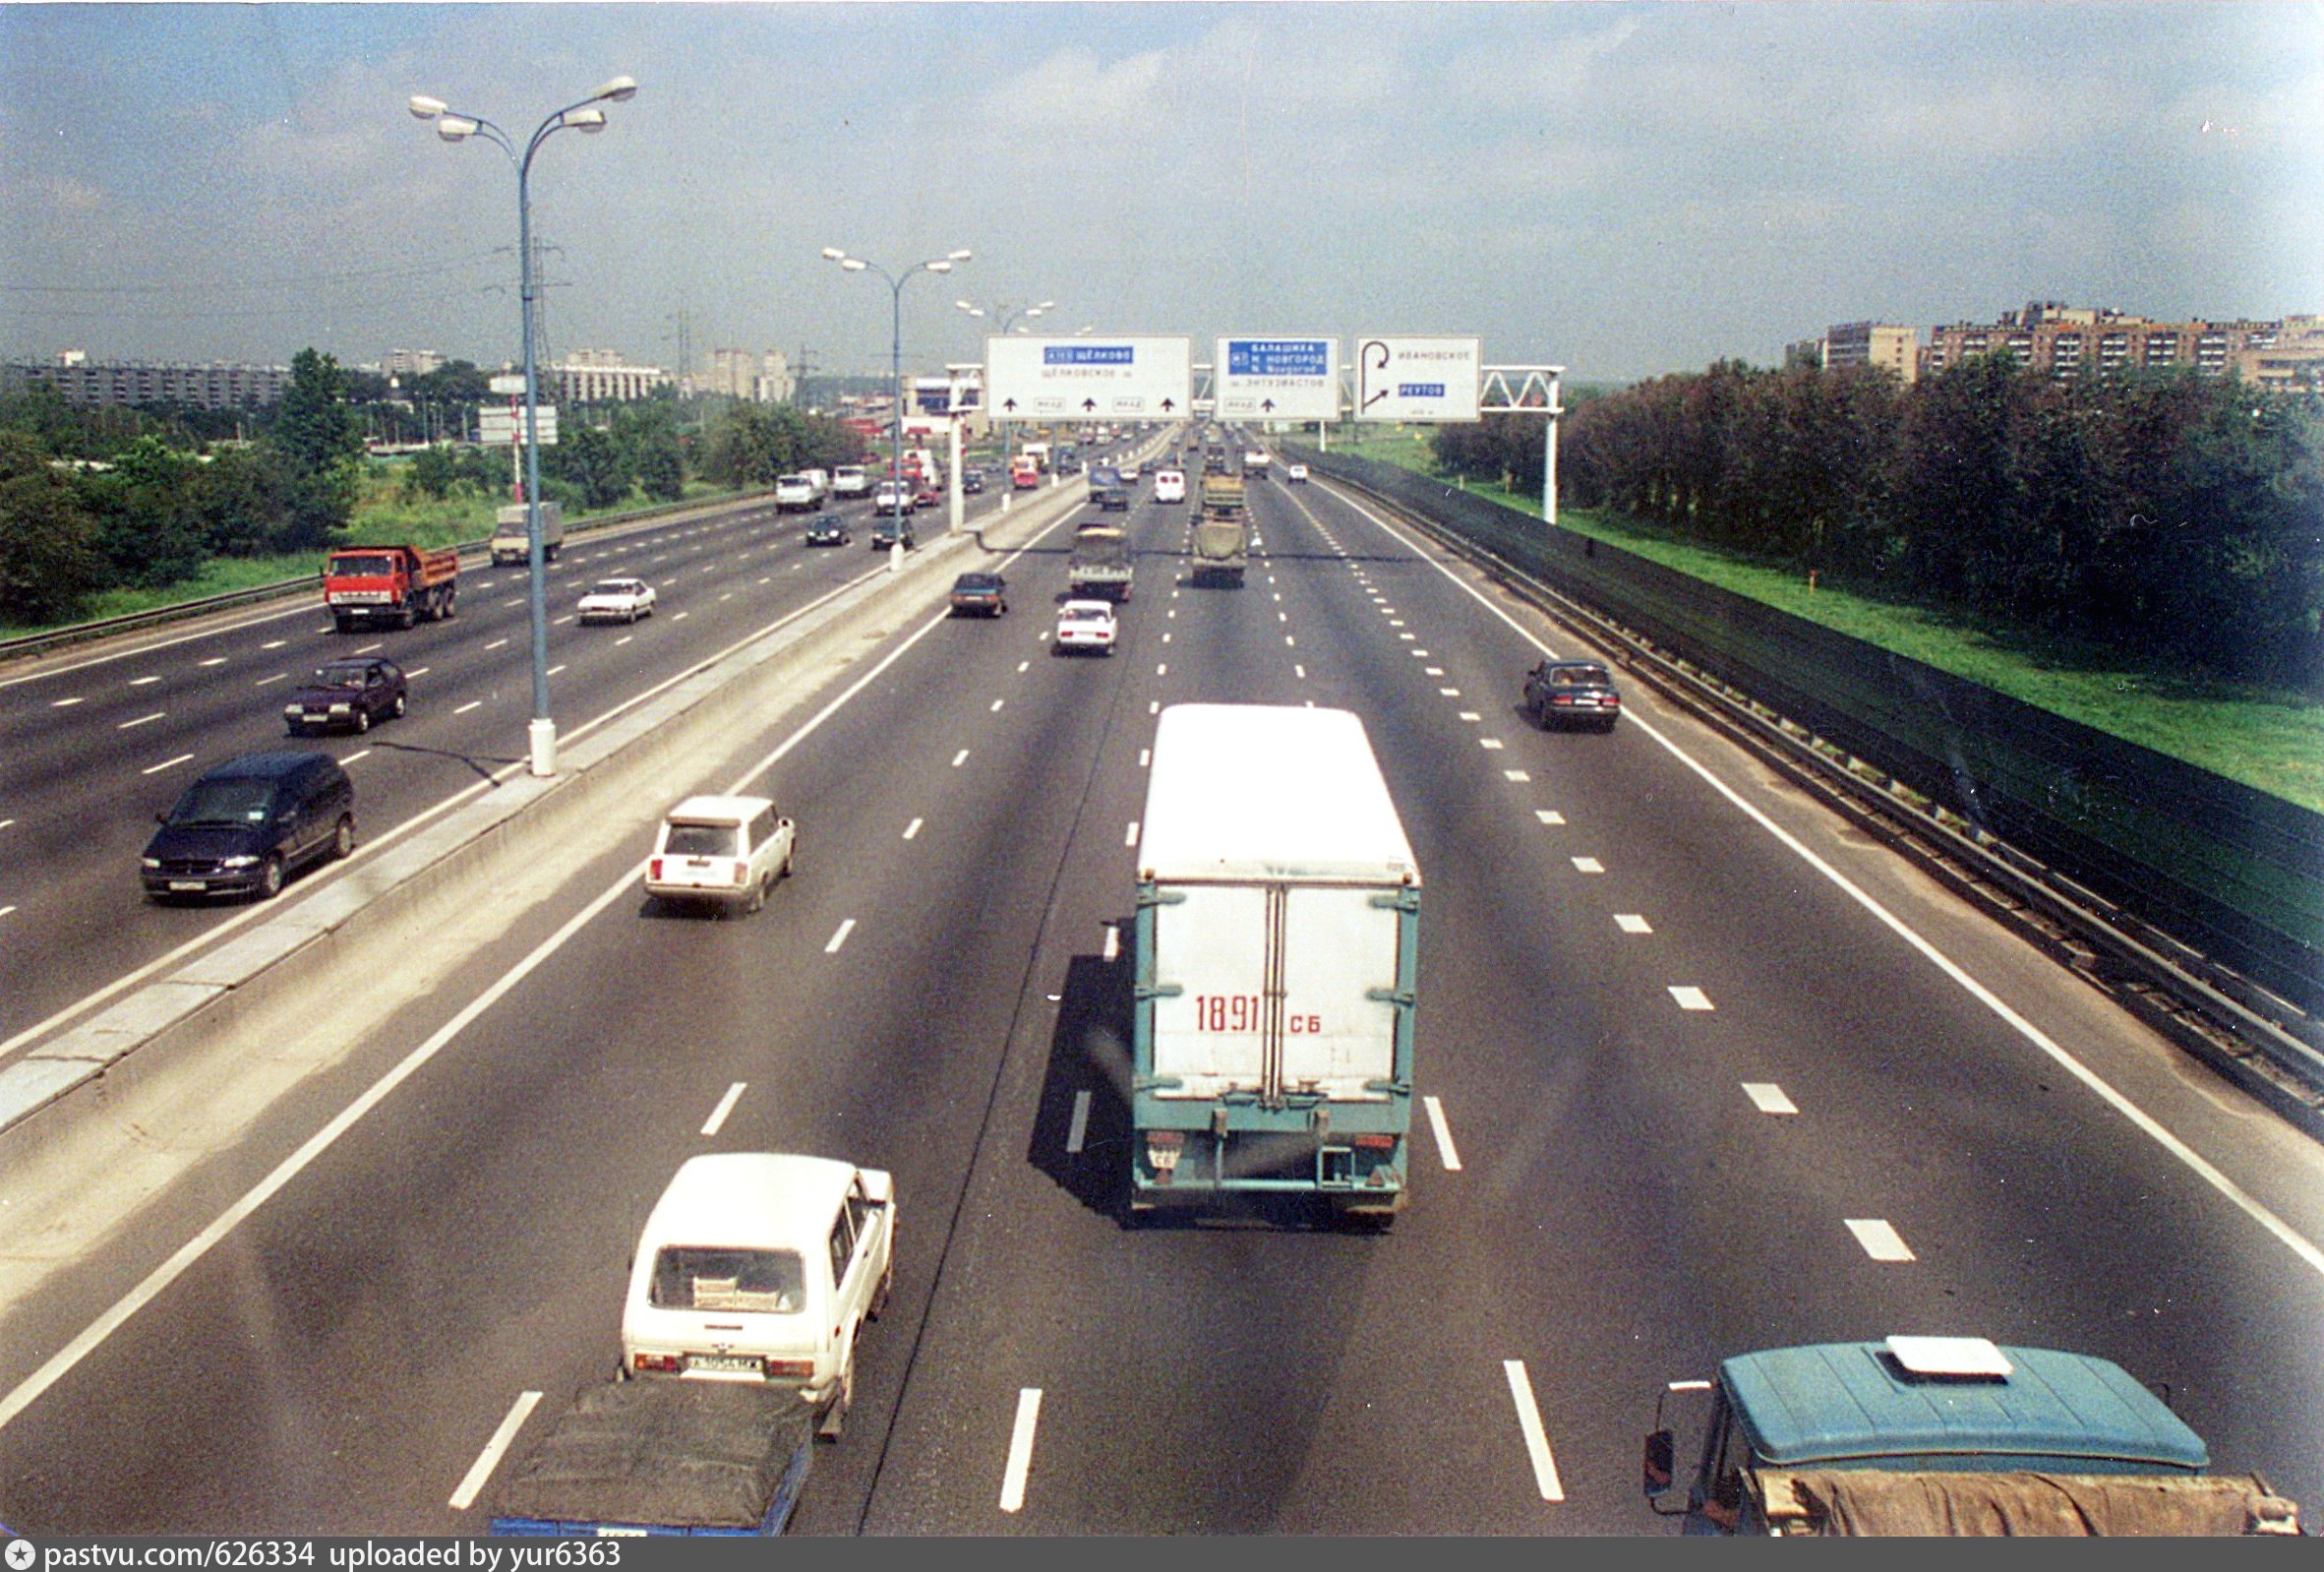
(2269, 738)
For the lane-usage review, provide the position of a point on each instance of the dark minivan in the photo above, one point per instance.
(249, 821)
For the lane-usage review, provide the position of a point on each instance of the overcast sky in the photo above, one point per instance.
(1625, 189)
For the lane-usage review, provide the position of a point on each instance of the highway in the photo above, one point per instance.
(95, 740)
(1705, 1071)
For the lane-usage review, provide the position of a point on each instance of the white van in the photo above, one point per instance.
(851, 480)
(756, 1266)
(797, 494)
(1170, 485)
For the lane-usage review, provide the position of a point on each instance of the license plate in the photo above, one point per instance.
(725, 1364)
(187, 884)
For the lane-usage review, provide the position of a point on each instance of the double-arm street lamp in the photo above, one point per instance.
(1002, 315)
(850, 264)
(451, 127)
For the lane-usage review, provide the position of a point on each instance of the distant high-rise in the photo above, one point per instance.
(410, 363)
(603, 376)
(1872, 343)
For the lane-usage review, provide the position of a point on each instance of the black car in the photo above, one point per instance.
(828, 530)
(971, 482)
(247, 822)
(889, 529)
(346, 693)
(1572, 692)
(986, 594)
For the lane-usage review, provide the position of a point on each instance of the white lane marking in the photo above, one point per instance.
(368, 648)
(1589, 864)
(997, 703)
(141, 720)
(840, 936)
(490, 1458)
(1113, 942)
(1517, 774)
(140, 682)
(1881, 1241)
(1291, 641)
(1131, 837)
(1691, 998)
(1283, 617)
(1419, 654)
(1449, 693)
(5, 823)
(1444, 1134)
(960, 759)
(277, 644)
(1299, 671)
(167, 763)
(65, 703)
(360, 753)
(911, 831)
(1165, 639)
(263, 681)
(729, 595)
(4, 910)
(559, 622)
(1163, 670)
(560, 666)
(682, 615)
(1153, 706)
(419, 671)
(1549, 816)
(1012, 1479)
(215, 660)
(1173, 612)
(1145, 757)
(1278, 593)
(1545, 1466)
(1631, 923)
(1436, 671)
(473, 704)
(1769, 1098)
(1490, 743)
(624, 640)
(495, 643)
(1470, 714)
(518, 601)
(1081, 1124)
(1024, 665)
(726, 1104)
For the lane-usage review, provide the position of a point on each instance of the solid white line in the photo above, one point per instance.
(1131, 838)
(1081, 1124)
(360, 753)
(1444, 1134)
(960, 759)
(141, 720)
(1545, 1466)
(167, 763)
(29, 1390)
(1113, 942)
(140, 682)
(1693, 998)
(912, 829)
(1879, 1241)
(488, 1458)
(726, 1104)
(1012, 1479)
(473, 704)
(840, 937)
(1631, 923)
(1769, 1098)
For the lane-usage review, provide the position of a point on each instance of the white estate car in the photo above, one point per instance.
(1170, 485)
(761, 1267)
(1085, 625)
(617, 600)
(798, 494)
(1296, 473)
(727, 850)
(1129, 471)
(851, 480)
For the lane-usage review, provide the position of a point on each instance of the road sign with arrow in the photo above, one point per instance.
(1278, 379)
(1417, 379)
(1134, 378)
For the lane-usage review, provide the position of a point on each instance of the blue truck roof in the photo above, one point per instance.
(1836, 1403)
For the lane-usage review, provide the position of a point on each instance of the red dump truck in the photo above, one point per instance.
(369, 587)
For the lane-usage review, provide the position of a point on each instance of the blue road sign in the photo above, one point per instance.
(1278, 357)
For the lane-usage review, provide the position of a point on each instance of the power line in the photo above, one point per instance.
(342, 275)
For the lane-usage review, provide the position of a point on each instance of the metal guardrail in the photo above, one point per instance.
(2259, 1039)
(179, 611)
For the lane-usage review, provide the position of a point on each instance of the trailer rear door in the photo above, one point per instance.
(1212, 946)
(1337, 947)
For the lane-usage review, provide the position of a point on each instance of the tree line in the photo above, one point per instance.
(2169, 515)
(92, 499)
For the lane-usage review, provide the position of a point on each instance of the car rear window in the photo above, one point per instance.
(699, 840)
(695, 1276)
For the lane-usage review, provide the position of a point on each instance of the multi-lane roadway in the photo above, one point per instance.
(1702, 1071)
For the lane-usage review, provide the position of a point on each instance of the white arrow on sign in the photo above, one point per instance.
(1278, 379)
(1417, 379)
(1079, 378)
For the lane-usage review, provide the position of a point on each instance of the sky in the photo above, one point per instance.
(1624, 190)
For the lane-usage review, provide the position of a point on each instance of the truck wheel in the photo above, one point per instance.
(451, 604)
(342, 838)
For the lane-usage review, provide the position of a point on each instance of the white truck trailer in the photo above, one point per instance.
(1277, 950)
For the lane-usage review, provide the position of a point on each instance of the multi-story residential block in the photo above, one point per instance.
(216, 385)
(2074, 340)
(602, 376)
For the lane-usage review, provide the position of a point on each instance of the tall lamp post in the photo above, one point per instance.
(541, 737)
(1002, 315)
(896, 281)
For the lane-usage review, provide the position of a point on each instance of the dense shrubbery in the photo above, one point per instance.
(2175, 516)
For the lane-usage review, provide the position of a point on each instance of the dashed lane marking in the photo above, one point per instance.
(997, 703)
(1131, 838)
(1436, 671)
(726, 1104)
(1545, 1466)
(263, 681)
(473, 704)
(1517, 775)
(1693, 998)
(1631, 923)
(1145, 757)
(912, 830)
(277, 644)
(1446, 1150)
(840, 936)
(624, 640)
(1589, 864)
(141, 720)
(65, 703)
(1113, 942)
(1020, 1463)
(1881, 1241)
(1024, 666)
(496, 643)
(1470, 714)
(960, 759)
(1299, 671)
(1549, 816)
(215, 660)
(140, 682)
(360, 753)
(1769, 1098)
(419, 671)
(490, 1458)
(1489, 744)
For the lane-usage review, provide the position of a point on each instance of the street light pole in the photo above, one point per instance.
(1003, 315)
(541, 735)
(895, 282)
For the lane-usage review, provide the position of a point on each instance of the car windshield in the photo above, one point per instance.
(363, 566)
(340, 676)
(613, 587)
(224, 801)
(699, 840)
(695, 1277)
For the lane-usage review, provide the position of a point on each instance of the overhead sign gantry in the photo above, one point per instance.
(1143, 378)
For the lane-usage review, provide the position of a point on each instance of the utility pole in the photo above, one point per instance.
(799, 374)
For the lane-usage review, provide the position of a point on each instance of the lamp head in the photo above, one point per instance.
(958, 255)
(620, 90)
(424, 108)
(451, 128)
(939, 267)
(589, 120)
(834, 254)
(852, 265)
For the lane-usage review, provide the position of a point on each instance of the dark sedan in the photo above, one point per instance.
(347, 694)
(827, 530)
(980, 594)
(1573, 693)
(971, 482)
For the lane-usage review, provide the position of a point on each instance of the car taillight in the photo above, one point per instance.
(1613, 699)
(1376, 1144)
(741, 871)
(791, 1369)
(1561, 698)
(667, 1363)
(653, 868)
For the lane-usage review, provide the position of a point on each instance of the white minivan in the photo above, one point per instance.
(722, 850)
(1170, 485)
(756, 1266)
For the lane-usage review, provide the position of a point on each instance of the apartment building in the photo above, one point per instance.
(96, 384)
(603, 376)
(1874, 343)
(2074, 340)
